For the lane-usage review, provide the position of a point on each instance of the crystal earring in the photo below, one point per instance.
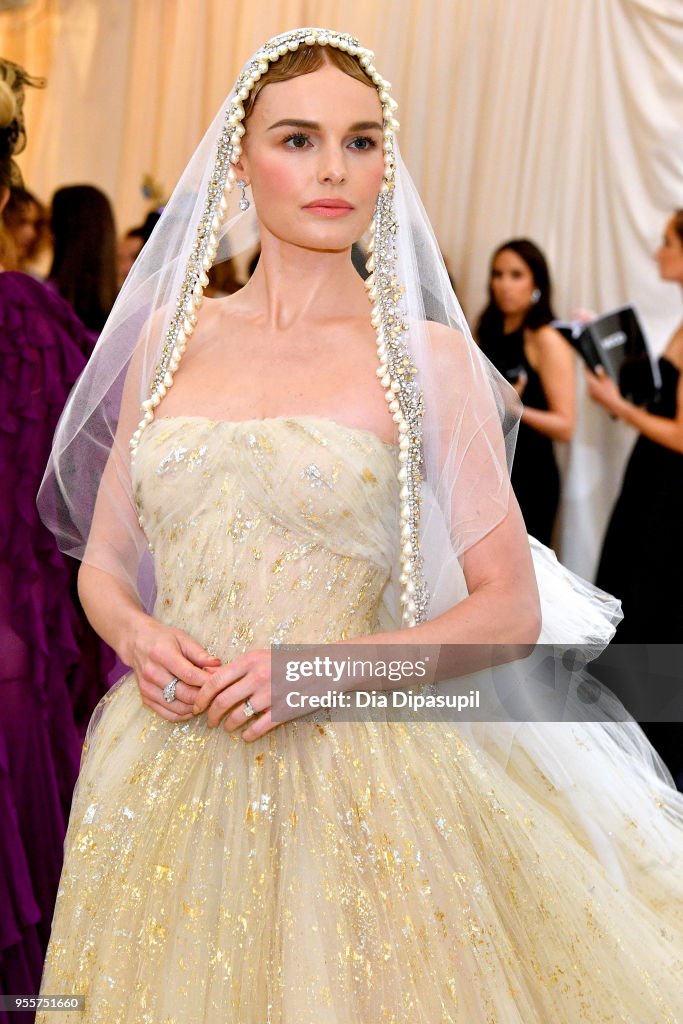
(244, 202)
(535, 295)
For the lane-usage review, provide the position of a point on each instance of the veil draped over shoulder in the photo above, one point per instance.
(456, 421)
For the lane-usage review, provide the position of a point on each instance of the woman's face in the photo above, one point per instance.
(128, 250)
(24, 225)
(512, 283)
(313, 156)
(669, 256)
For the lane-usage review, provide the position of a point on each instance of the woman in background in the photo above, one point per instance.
(85, 258)
(643, 548)
(514, 332)
(130, 246)
(51, 672)
(25, 222)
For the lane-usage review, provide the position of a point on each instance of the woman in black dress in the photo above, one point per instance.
(515, 333)
(642, 554)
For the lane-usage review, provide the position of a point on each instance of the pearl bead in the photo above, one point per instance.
(405, 511)
(243, 93)
(402, 474)
(161, 391)
(404, 493)
(407, 548)
(293, 45)
(232, 176)
(380, 371)
(147, 404)
(397, 416)
(282, 49)
(309, 40)
(155, 399)
(389, 395)
(403, 578)
(176, 354)
(410, 587)
(386, 381)
(403, 599)
(203, 279)
(249, 83)
(403, 426)
(168, 380)
(402, 456)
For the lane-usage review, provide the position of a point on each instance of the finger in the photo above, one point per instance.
(229, 702)
(153, 696)
(218, 681)
(194, 651)
(259, 727)
(166, 712)
(236, 717)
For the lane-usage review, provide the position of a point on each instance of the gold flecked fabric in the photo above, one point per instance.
(330, 872)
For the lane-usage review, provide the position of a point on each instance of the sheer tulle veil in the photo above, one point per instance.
(456, 421)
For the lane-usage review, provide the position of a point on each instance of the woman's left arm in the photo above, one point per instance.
(554, 359)
(660, 429)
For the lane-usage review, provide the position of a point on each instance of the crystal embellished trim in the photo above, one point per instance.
(396, 372)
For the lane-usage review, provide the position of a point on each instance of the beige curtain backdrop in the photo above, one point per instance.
(558, 119)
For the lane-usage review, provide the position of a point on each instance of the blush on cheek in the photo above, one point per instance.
(277, 176)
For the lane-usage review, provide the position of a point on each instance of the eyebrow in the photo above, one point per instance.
(289, 122)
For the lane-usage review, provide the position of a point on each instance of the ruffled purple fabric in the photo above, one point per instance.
(52, 667)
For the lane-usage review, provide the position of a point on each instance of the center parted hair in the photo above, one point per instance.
(539, 313)
(304, 61)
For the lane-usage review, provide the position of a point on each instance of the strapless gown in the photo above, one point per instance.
(329, 872)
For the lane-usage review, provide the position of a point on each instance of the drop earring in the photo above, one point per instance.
(535, 295)
(244, 202)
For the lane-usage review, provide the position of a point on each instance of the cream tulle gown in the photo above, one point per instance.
(334, 873)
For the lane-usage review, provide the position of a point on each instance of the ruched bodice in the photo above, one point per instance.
(267, 531)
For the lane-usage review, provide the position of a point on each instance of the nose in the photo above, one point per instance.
(331, 169)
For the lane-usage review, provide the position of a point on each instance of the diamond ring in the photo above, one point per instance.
(248, 709)
(169, 690)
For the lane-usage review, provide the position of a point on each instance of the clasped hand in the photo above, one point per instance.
(162, 653)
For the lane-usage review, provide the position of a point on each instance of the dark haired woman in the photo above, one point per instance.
(85, 257)
(643, 547)
(515, 333)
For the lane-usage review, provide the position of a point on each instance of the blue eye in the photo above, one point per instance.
(368, 142)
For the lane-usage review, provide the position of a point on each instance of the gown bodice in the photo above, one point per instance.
(267, 531)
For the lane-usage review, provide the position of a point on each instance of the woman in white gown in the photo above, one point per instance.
(220, 866)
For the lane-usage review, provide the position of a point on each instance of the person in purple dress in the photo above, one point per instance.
(50, 672)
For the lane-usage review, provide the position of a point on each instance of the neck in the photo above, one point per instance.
(292, 284)
(512, 322)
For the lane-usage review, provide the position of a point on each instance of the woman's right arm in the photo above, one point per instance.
(107, 581)
(155, 652)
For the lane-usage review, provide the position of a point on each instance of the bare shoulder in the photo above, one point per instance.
(448, 346)
(546, 337)
(674, 348)
(547, 344)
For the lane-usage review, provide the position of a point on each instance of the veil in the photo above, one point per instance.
(456, 424)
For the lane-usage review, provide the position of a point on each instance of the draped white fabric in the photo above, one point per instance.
(558, 119)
